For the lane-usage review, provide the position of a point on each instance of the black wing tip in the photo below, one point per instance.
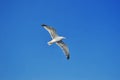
(43, 25)
(68, 57)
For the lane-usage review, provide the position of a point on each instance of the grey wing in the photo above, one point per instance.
(51, 30)
(64, 47)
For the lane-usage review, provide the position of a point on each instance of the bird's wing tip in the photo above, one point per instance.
(68, 57)
(43, 25)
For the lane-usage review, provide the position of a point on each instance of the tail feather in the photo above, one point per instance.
(49, 43)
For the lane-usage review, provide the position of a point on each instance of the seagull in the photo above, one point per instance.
(57, 39)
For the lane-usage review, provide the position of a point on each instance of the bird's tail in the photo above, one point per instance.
(49, 43)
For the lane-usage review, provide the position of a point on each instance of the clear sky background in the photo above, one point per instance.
(91, 28)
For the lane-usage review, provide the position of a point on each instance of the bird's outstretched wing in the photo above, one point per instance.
(51, 30)
(64, 47)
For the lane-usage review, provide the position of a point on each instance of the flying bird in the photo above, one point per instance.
(57, 39)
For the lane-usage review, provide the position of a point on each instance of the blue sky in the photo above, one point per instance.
(92, 29)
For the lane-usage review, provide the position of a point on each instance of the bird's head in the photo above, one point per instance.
(63, 37)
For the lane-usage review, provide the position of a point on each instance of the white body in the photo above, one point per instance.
(56, 39)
